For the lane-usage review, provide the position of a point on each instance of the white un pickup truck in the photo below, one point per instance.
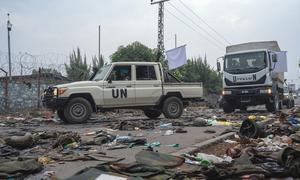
(130, 85)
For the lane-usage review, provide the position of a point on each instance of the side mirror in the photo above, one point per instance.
(109, 79)
(218, 66)
(274, 58)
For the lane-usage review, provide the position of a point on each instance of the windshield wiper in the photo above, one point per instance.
(235, 69)
(254, 68)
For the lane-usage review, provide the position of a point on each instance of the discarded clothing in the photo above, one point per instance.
(19, 167)
(6, 150)
(158, 159)
(20, 142)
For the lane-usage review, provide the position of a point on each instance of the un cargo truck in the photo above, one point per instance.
(253, 74)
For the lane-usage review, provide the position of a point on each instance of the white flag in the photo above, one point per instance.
(176, 57)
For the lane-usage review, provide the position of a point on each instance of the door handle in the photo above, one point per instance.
(128, 86)
(111, 86)
(156, 85)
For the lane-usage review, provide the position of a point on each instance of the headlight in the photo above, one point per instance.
(59, 91)
(226, 92)
(269, 91)
(265, 91)
(55, 92)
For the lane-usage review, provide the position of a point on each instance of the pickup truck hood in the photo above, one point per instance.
(79, 84)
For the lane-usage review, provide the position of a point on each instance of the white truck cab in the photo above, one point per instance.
(253, 74)
(138, 85)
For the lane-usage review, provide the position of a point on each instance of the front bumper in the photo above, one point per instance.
(247, 96)
(51, 101)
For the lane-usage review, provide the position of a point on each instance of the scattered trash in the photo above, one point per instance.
(180, 130)
(173, 145)
(154, 144)
(166, 126)
(230, 141)
(49, 175)
(44, 160)
(65, 139)
(169, 132)
(210, 131)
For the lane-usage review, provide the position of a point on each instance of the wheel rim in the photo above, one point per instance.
(173, 107)
(78, 110)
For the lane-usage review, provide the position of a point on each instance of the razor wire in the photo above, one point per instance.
(25, 63)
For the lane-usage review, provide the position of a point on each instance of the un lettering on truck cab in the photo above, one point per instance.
(132, 85)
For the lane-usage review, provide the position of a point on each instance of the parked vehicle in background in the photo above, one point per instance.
(131, 85)
(288, 99)
(253, 74)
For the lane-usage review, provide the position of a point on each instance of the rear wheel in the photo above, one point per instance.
(78, 110)
(273, 106)
(152, 113)
(289, 104)
(172, 107)
(61, 115)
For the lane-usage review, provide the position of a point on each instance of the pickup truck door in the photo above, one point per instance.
(148, 88)
(119, 87)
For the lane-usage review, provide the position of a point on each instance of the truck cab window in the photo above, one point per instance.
(145, 73)
(121, 73)
(246, 62)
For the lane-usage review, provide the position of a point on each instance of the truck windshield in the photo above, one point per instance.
(245, 62)
(101, 73)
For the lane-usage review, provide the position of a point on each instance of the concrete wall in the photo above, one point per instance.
(23, 93)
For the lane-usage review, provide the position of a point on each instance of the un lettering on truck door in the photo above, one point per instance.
(119, 93)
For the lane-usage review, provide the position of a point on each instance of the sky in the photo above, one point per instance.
(59, 26)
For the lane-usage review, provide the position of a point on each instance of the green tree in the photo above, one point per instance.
(97, 63)
(78, 69)
(198, 70)
(135, 51)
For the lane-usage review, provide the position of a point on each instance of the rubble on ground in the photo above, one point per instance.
(266, 145)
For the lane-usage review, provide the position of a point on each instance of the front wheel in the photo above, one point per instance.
(172, 107)
(227, 107)
(273, 106)
(78, 110)
(152, 113)
(61, 115)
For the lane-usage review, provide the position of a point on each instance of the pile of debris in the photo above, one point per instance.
(264, 147)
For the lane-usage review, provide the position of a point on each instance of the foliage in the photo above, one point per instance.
(78, 69)
(135, 51)
(198, 70)
(97, 63)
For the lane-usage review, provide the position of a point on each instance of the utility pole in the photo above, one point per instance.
(160, 42)
(9, 27)
(99, 55)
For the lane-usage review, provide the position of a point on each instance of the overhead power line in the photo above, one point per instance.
(204, 30)
(201, 19)
(212, 42)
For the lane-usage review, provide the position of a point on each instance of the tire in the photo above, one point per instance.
(152, 113)
(289, 104)
(243, 108)
(227, 107)
(78, 110)
(61, 115)
(273, 106)
(172, 107)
